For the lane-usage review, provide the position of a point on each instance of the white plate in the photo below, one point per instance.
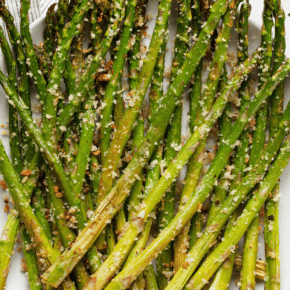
(17, 280)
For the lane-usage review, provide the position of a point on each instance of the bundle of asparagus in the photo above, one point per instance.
(95, 182)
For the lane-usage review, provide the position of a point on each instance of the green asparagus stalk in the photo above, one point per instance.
(85, 143)
(30, 261)
(135, 195)
(49, 33)
(119, 106)
(30, 53)
(236, 196)
(150, 279)
(271, 228)
(38, 205)
(62, 13)
(196, 92)
(116, 198)
(251, 239)
(182, 217)
(220, 191)
(7, 242)
(224, 273)
(250, 251)
(250, 212)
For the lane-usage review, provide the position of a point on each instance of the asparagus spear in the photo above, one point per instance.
(83, 154)
(220, 191)
(135, 195)
(182, 217)
(7, 241)
(49, 33)
(38, 205)
(62, 13)
(30, 53)
(85, 143)
(251, 239)
(236, 196)
(271, 228)
(252, 208)
(14, 136)
(224, 273)
(30, 261)
(195, 95)
(150, 279)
